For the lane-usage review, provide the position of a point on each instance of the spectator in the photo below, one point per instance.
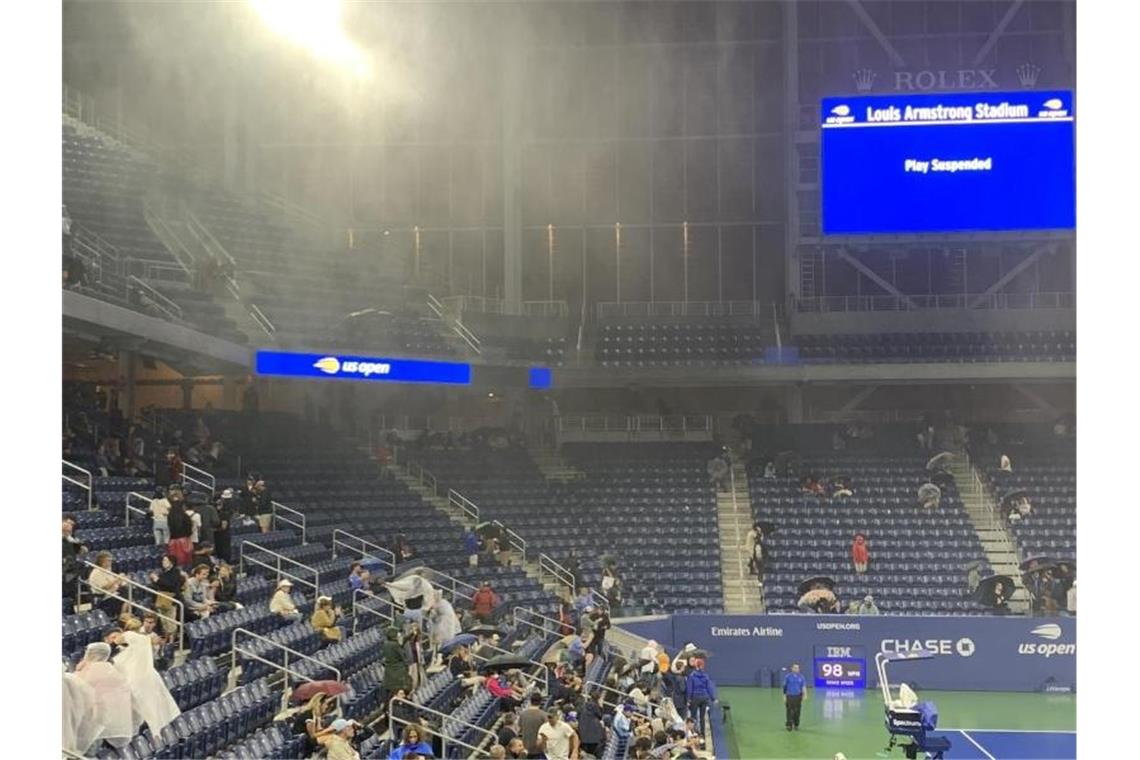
(150, 699)
(209, 520)
(104, 583)
(1071, 599)
(461, 666)
(471, 547)
(159, 509)
(225, 588)
(718, 471)
(596, 644)
(324, 619)
(168, 584)
(591, 730)
(337, 740)
(556, 739)
(198, 595)
(308, 722)
(859, 553)
(530, 720)
(73, 549)
(754, 549)
(181, 527)
(623, 723)
(509, 695)
(396, 675)
(770, 470)
(282, 602)
(357, 577)
(112, 695)
(565, 621)
(263, 505)
(582, 601)
(1004, 464)
(868, 606)
(483, 602)
(411, 741)
(516, 750)
(699, 693)
(402, 549)
(497, 751)
(227, 512)
(174, 468)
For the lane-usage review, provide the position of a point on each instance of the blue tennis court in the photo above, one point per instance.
(991, 744)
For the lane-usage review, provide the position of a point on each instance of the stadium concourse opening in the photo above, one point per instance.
(560, 379)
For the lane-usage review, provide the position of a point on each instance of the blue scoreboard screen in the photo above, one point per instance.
(840, 667)
(963, 162)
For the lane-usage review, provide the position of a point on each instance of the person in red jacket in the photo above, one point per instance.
(483, 603)
(859, 554)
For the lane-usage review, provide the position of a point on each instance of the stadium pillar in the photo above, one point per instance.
(791, 125)
(513, 102)
(794, 404)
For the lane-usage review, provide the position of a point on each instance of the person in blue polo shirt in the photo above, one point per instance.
(793, 697)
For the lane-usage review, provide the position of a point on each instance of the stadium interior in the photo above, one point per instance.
(497, 360)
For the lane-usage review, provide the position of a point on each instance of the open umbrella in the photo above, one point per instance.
(818, 581)
(504, 662)
(310, 689)
(485, 630)
(987, 587)
(1037, 563)
(462, 640)
(941, 461)
(1019, 493)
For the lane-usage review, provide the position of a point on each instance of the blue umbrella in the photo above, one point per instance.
(462, 640)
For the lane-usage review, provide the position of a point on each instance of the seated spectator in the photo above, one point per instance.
(860, 556)
(516, 750)
(1004, 464)
(867, 607)
(104, 583)
(282, 601)
(357, 577)
(225, 588)
(168, 584)
(509, 695)
(337, 740)
(411, 742)
(198, 594)
(309, 721)
(324, 619)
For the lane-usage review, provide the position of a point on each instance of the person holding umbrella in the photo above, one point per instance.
(793, 697)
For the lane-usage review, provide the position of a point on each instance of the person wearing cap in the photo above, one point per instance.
(556, 739)
(337, 740)
(411, 743)
(793, 697)
(282, 601)
(623, 721)
(324, 619)
(868, 606)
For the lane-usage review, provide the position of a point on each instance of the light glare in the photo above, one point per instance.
(315, 25)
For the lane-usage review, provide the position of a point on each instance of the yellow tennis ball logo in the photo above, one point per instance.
(329, 365)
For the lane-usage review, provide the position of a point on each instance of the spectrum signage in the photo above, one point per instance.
(342, 367)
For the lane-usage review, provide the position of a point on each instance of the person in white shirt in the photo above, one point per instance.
(1071, 599)
(282, 602)
(556, 739)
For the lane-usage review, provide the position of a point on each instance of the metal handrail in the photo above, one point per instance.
(366, 548)
(315, 583)
(461, 502)
(547, 564)
(624, 309)
(454, 323)
(283, 667)
(89, 486)
(127, 508)
(447, 720)
(275, 517)
(600, 599)
(516, 541)
(180, 621)
(199, 477)
(527, 621)
(654, 706)
(209, 242)
(160, 302)
(262, 321)
(456, 583)
(357, 607)
(956, 302)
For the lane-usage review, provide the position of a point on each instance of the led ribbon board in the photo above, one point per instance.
(340, 367)
(962, 162)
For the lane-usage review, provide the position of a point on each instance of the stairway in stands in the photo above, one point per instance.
(1000, 549)
(553, 465)
(734, 519)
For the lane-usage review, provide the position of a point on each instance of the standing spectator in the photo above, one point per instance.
(150, 698)
(263, 505)
(556, 739)
(282, 602)
(530, 720)
(471, 547)
(859, 553)
(591, 730)
(402, 549)
(483, 602)
(73, 549)
(181, 527)
(174, 467)
(168, 586)
(159, 509)
(509, 729)
(595, 647)
(198, 595)
(1071, 599)
(699, 693)
(565, 621)
(395, 661)
(112, 694)
(718, 471)
(226, 513)
(753, 547)
(210, 521)
(793, 697)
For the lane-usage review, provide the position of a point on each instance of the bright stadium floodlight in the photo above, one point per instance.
(315, 25)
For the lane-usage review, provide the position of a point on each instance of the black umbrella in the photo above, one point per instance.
(987, 587)
(767, 527)
(1037, 563)
(1020, 493)
(485, 630)
(504, 662)
(814, 582)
